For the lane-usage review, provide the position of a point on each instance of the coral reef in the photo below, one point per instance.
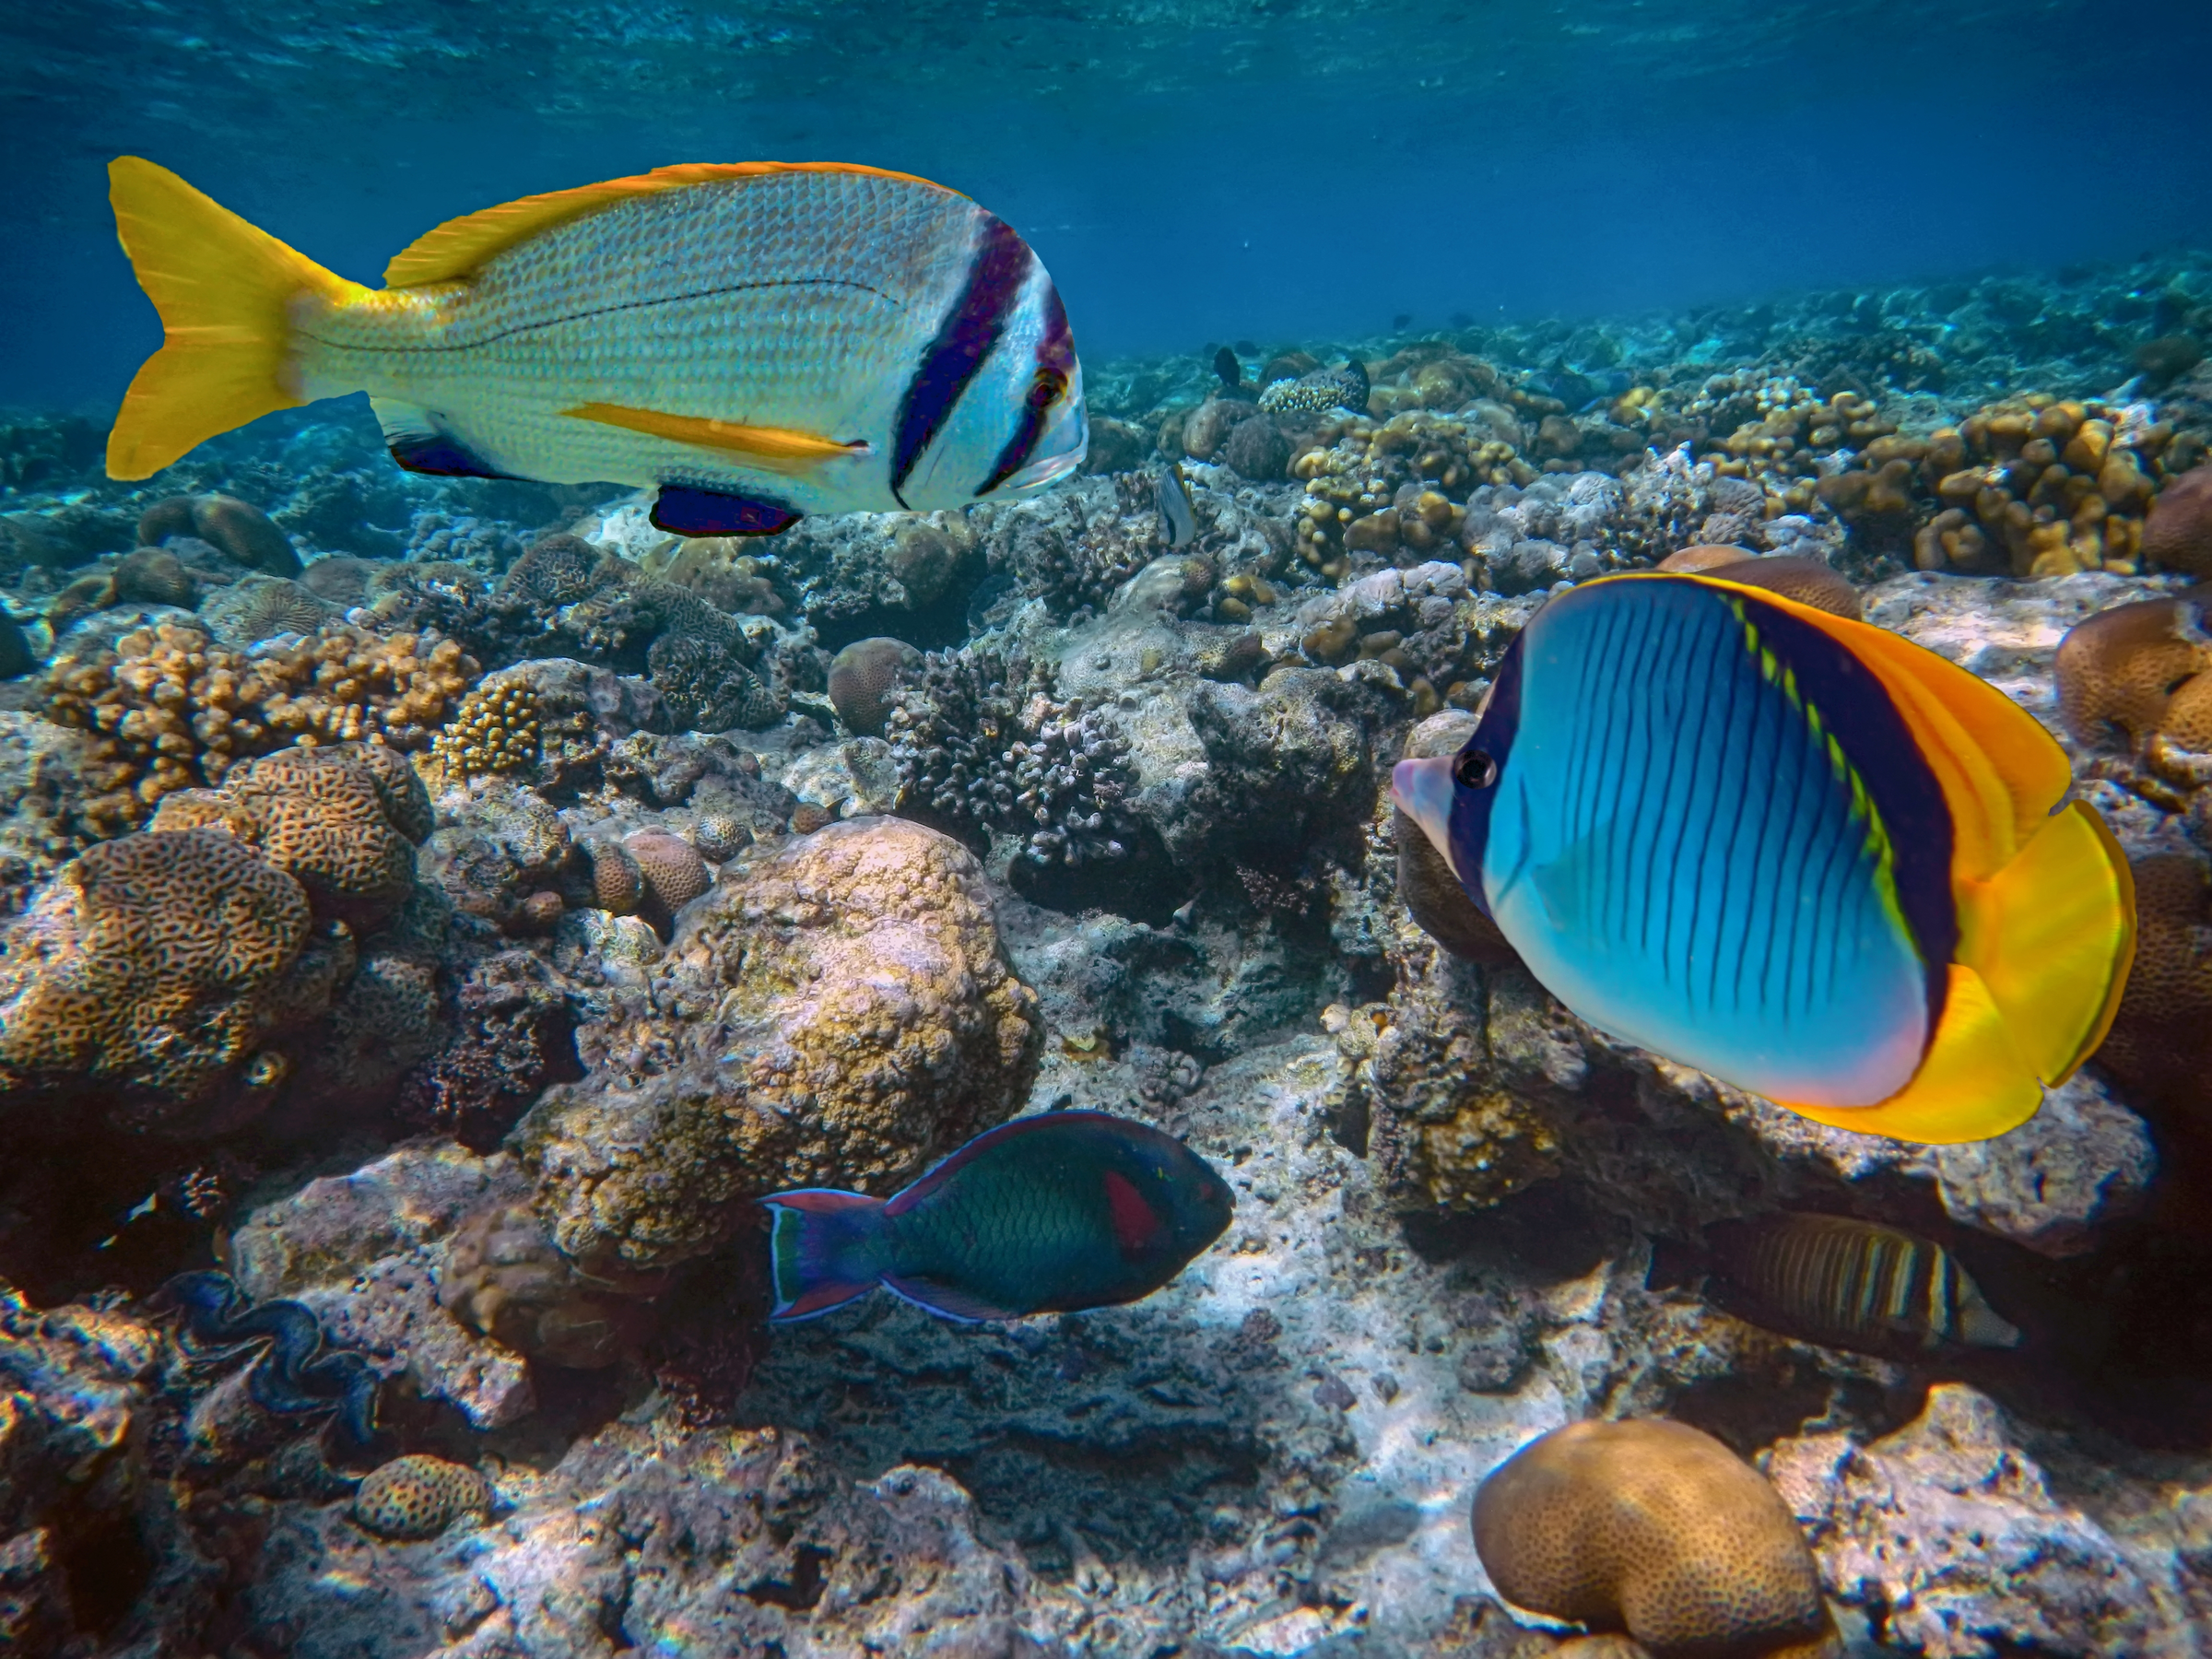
(981, 743)
(1655, 1529)
(864, 1023)
(170, 708)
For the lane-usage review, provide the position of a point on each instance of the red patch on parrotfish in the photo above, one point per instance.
(1135, 1223)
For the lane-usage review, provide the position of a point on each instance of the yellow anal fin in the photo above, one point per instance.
(777, 449)
(458, 247)
(2052, 935)
(225, 290)
(1972, 1085)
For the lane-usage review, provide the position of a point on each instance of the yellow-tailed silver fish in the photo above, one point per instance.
(758, 339)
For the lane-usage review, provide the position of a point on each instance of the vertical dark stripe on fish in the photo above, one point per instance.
(1056, 357)
(970, 329)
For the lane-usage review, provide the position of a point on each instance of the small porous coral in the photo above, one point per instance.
(494, 730)
(504, 1278)
(239, 528)
(861, 674)
(171, 709)
(618, 884)
(671, 870)
(1655, 1530)
(154, 967)
(982, 742)
(419, 1497)
(864, 1023)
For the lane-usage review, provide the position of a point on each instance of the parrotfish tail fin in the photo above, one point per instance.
(825, 1248)
(224, 291)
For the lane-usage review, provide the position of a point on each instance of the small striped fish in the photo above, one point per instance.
(1858, 1284)
(758, 341)
(1790, 850)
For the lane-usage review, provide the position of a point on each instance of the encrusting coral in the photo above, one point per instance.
(504, 1278)
(419, 1497)
(170, 708)
(1656, 1530)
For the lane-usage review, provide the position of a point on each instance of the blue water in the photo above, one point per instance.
(1190, 170)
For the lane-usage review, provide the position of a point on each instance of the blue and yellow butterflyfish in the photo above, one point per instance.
(1795, 852)
(756, 340)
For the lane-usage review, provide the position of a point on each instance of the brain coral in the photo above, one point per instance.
(154, 967)
(1658, 1530)
(261, 607)
(336, 820)
(836, 1013)
(419, 1497)
(2160, 1042)
(2178, 535)
(171, 709)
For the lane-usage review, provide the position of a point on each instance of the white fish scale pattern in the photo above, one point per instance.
(792, 299)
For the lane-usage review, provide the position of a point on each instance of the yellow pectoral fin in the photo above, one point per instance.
(1972, 1085)
(777, 449)
(2053, 935)
(458, 247)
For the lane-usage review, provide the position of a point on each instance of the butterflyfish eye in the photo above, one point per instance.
(1474, 769)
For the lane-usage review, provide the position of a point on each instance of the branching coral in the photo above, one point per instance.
(170, 708)
(981, 741)
(1073, 557)
(494, 730)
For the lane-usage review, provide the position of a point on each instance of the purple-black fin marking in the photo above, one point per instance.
(943, 1301)
(964, 339)
(900, 1203)
(822, 1249)
(441, 456)
(682, 511)
(1056, 357)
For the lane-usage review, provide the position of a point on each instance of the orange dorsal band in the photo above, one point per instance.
(777, 449)
(459, 247)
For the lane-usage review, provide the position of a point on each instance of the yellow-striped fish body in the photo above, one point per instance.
(757, 340)
(1852, 1283)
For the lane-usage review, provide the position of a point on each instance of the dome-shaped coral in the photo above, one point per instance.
(239, 528)
(671, 869)
(2178, 533)
(153, 576)
(2160, 1043)
(861, 674)
(419, 1497)
(1658, 1530)
(2119, 669)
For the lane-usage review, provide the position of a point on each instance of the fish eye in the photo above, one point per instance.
(1474, 769)
(1046, 389)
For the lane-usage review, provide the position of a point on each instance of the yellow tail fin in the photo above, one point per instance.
(224, 291)
(2053, 935)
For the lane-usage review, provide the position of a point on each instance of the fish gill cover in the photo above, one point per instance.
(451, 926)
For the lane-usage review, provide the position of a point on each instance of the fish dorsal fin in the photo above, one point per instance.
(2001, 773)
(459, 247)
(902, 1202)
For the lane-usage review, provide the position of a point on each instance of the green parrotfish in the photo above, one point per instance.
(1044, 1215)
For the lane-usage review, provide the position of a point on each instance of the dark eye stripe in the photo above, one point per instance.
(970, 329)
(1055, 358)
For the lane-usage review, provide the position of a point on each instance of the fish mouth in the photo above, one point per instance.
(1422, 790)
(1050, 470)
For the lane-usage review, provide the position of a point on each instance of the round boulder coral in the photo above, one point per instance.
(671, 868)
(419, 1497)
(864, 1023)
(153, 576)
(1657, 1530)
(239, 528)
(861, 674)
(2178, 533)
(2119, 669)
